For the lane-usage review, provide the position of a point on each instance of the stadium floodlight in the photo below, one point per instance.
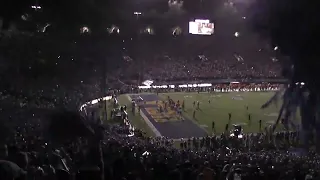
(176, 31)
(84, 29)
(113, 29)
(275, 48)
(25, 17)
(43, 28)
(236, 34)
(149, 30)
(36, 7)
(137, 14)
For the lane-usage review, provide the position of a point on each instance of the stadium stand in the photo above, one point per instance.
(46, 80)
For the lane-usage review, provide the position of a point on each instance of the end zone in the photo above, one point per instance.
(167, 124)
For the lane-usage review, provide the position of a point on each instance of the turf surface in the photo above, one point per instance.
(217, 110)
(136, 120)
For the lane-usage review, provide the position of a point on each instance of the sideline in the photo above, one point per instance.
(106, 98)
(95, 101)
(151, 126)
(146, 119)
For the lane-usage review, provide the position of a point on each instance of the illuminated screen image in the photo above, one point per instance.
(201, 27)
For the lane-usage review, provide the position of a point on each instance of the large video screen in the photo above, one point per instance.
(201, 27)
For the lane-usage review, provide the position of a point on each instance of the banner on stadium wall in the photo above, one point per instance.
(249, 81)
(220, 81)
(175, 86)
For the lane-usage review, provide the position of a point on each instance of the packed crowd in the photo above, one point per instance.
(35, 146)
(210, 68)
(106, 152)
(227, 87)
(21, 100)
(72, 149)
(166, 62)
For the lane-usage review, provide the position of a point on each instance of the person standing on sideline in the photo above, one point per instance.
(227, 127)
(182, 105)
(260, 125)
(213, 127)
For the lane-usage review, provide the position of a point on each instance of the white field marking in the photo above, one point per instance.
(195, 123)
(238, 98)
(270, 122)
(151, 126)
(128, 96)
(215, 96)
(203, 125)
(146, 119)
(272, 114)
(187, 96)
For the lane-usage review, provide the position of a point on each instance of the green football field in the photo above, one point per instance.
(220, 105)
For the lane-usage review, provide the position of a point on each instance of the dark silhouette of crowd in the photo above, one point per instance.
(183, 58)
(36, 143)
(45, 78)
(106, 152)
(69, 146)
(232, 66)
